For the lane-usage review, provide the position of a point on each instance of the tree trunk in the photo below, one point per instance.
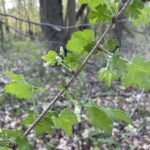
(71, 12)
(6, 19)
(1, 36)
(51, 12)
(70, 18)
(120, 26)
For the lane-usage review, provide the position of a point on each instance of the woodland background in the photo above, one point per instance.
(28, 30)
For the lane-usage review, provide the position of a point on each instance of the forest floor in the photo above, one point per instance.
(87, 88)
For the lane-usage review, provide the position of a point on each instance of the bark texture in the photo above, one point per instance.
(51, 12)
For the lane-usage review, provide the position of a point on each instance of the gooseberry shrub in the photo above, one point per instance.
(130, 72)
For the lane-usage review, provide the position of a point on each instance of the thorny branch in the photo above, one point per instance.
(60, 94)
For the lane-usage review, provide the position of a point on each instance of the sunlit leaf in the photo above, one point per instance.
(19, 87)
(79, 40)
(11, 133)
(50, 58)
(20, 90)
(93, 3)
(15, 77)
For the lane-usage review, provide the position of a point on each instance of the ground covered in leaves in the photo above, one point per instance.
(87, 88)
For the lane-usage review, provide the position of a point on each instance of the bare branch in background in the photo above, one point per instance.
(138, 101)
(56, 27)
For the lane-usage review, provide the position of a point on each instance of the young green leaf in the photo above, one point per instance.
(111, 44)
(19, 87)
(138, 73)
(99, 119)
(23, 143)
(94, 3)
(31, 117)
(15, 77)
(106, 75)
(45, 126)
(50, 58)
(72, 61)
(20, 90)
(143, 17)
(10, 133)
(65, 121)
(100, 14)
(79, 40)
(4, 148)
(15, 136)
(134, 10)
(118, 64)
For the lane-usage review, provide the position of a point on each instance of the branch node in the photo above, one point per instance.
(114, 19)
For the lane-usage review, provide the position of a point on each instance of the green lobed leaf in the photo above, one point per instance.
(23, 143)
(111, 44)
(19, 87)
(106, 75)
(134, 10)
(31, 117)
(138, 73)
(10, 133)
(89, 46)
(79, 40)
(101, 14)
(99, 119)
(50, 58)
(18, 138)
(94, 3)
(4, 148)
(15, 77)
(45, 125)
(143, 17)
(20, 90)
(118, 64)
(117, 115)
(65, 120)
(62, 87)
(72, 61)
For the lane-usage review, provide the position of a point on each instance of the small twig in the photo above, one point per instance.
(101, 48)
(110, 94)
(138, 100)
(25, 34)
(80, 11)
(78, 71)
